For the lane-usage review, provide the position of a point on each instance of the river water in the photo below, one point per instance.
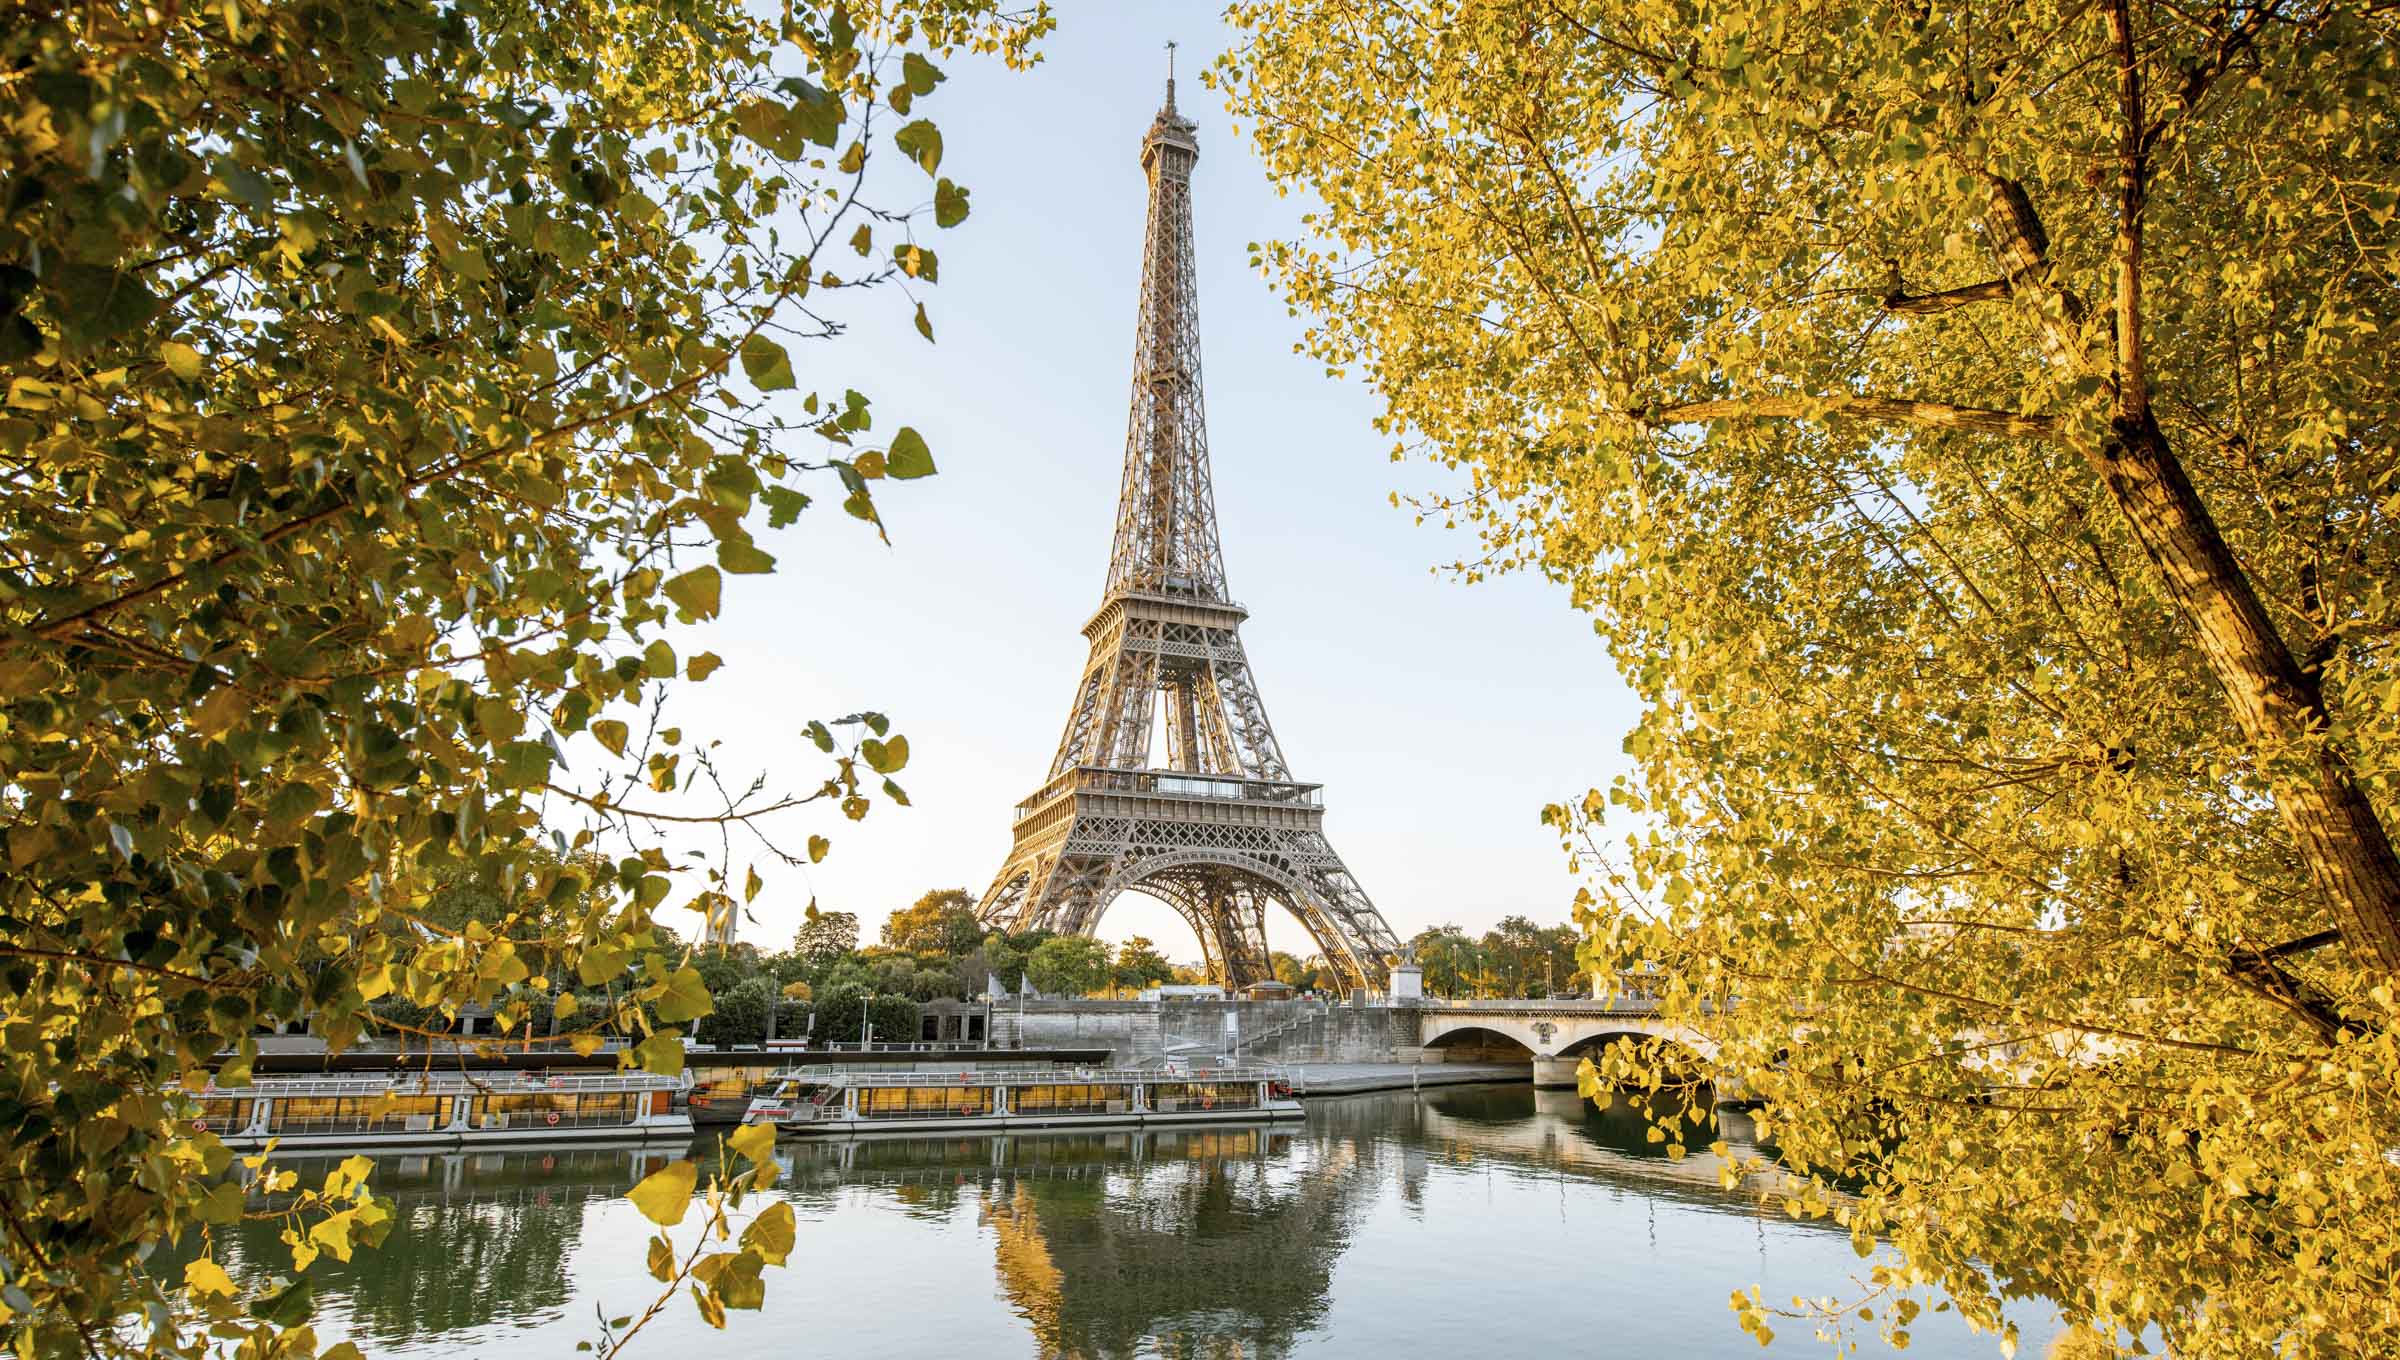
(1463, 1222)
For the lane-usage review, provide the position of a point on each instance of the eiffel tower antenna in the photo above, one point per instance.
(1168, 778)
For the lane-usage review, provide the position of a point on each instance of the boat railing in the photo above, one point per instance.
(440, 1084)
(1041, 1076)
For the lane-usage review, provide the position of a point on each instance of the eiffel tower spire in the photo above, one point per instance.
(1188, 800)
(1167, 512)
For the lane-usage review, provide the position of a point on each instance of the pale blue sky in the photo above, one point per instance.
(1440, 717)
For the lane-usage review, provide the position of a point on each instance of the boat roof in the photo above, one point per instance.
(442, 1084)
(833, 1075)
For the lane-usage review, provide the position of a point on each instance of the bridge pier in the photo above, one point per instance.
(1555, 1074)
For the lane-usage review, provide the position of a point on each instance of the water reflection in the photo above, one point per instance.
(1471, 1219)
(1178, 1242)
(479, 1237)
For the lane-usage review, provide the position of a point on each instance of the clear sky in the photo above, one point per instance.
(1440, 717)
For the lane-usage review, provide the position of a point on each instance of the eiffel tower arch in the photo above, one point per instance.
(1168, 778)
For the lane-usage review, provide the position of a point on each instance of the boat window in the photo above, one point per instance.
(386, 1113)
(1071, 1099)
(923, 1102)
(221, 1115)
(1180, 1096)
(555, 1109)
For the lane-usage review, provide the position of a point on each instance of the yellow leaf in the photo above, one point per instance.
(205, 1276)
(772, 1234)
(334, 1233)
(182, 360)
(611, 734)
(754, 1141)
(665, 1195)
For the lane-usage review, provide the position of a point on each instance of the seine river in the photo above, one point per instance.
(1465, 1222)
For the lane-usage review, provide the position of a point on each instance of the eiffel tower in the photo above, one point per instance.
(1218, 828)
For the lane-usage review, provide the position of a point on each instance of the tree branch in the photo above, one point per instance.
(1928, 304)
(1885, 410)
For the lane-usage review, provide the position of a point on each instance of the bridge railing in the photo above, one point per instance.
(1614, 1005)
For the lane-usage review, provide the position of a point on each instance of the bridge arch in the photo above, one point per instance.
(1438, 1031)
(1481, 1043)
(1683, 1049)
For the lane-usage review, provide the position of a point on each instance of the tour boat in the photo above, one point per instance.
(438, 1110)
(846, 1100)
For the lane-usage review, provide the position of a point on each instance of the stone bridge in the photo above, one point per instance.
(1554, 1035)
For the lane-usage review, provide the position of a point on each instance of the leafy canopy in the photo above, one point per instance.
(1972, 427)
(379, 381)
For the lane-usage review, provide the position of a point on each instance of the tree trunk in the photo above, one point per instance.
(2344, 842)
(2279, 708)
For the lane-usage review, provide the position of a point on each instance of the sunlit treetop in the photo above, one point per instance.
(1972, 428)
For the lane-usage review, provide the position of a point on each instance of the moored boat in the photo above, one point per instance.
(817, 1100)
(439, 1110)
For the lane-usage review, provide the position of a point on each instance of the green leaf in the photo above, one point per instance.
(524, 764)
(921, 142)
(924, 323)
(765, 364)
(665, 1195)
(885, 757)
(600, 964)
(661, 1053)
(908, 457)
(743, 559)
(96, 303)
(696, 591)
(815, 112)
(181, 359)
(296, 1304)
(917, 262)
(949, 204)
(702, 666)
(921, 75)
(223, 1203)
(686, 997)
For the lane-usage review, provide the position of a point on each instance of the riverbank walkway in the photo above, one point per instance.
(1342, 1079)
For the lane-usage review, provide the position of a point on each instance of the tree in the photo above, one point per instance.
(941, 922)
(825, 936)
(844, 1014)
(1139, 964)
(1291, 971)
(739, 1018)
(382, 379)
(1963, 425)
(1069, 965)
(1446, 954)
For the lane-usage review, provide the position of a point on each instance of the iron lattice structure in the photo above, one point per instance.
(1218, 828)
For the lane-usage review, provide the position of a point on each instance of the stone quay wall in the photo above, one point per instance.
(1140, 1032)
